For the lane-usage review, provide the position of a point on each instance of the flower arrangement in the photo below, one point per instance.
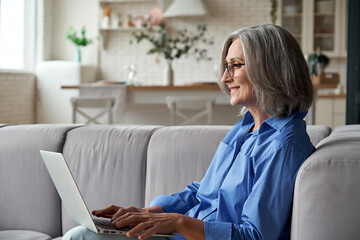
(172, 47)
(82, 40)
(79, 41)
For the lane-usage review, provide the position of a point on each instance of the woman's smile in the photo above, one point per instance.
(234, 90)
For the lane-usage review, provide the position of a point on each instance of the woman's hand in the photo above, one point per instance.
(147, 224)
(148, 221)
(114, 212)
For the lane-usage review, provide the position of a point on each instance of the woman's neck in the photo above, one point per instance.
(259, 117)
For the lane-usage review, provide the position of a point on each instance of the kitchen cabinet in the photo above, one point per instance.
(316, 23)
(330, 110)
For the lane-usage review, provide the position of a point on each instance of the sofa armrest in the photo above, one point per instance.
(327, 190)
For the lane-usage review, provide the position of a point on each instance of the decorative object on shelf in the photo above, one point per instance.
(185, 8)
(273, 12)
(129, 21)
(173, 46)
(131, 76)
(105, 23)
(116, 20)
(155, 16)
(317, 62)
(79, 41)
(138, 21)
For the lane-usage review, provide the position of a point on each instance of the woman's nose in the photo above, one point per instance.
(226, 77)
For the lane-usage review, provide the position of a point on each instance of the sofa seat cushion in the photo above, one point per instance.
(23, 235)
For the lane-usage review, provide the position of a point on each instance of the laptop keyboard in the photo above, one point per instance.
(106, 224)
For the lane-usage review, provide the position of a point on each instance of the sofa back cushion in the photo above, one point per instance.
(108, 163)
(317, 133)
(179, 155)
(327, 189)
(28, 198)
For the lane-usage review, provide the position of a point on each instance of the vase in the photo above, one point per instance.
(78, 55)
(168, 77)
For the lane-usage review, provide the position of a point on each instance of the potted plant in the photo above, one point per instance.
(79, 41)
(317, 62)
(173, 46)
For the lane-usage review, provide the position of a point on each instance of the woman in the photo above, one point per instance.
(247, 191)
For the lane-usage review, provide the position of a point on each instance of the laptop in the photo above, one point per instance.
(72, 199)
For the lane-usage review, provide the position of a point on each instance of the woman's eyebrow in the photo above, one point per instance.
(234, 58)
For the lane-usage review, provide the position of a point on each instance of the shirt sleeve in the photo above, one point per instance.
(179, 202)
(267, 209)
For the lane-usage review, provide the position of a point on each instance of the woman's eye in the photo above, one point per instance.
(237, 65)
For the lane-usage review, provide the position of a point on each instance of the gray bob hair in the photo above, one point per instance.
(276, 67)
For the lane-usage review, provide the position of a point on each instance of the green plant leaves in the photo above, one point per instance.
(172, 47)
(82, 40)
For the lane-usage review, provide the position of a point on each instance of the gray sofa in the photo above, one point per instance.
(130, 165)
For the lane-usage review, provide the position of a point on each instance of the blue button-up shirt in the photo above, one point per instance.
(247, 190)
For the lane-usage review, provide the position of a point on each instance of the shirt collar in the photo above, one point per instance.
(248, 118)
(280, 123)
(276, 123)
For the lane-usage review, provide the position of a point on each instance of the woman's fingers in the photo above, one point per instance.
(106, 212)
(147, 224)
(121, 211)
(128, 219)
(144, 230)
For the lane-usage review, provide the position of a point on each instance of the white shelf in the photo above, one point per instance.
(125, 1)
(121, 29)
(107, 32)
(291, 15)
(324, 35)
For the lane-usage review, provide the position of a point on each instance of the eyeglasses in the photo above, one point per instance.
(231, 67)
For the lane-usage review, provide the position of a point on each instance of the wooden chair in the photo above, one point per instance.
(181, 106)
(104, 104)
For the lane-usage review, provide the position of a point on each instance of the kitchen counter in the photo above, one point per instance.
(158, 94)
(199, 87)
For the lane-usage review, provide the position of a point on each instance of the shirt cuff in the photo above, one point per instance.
(168, 203)
(217, 230)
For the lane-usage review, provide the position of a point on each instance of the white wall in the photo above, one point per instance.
(76, 13)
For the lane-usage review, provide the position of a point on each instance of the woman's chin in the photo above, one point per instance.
(234, 102)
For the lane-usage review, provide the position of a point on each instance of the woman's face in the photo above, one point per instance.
(241, 90)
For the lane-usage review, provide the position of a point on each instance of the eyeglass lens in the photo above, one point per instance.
(230, 69)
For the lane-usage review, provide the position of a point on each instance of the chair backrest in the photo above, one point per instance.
(199, 107)
(104, 104)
